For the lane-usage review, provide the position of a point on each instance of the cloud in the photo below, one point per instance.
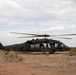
(9, 4)
(37, 10)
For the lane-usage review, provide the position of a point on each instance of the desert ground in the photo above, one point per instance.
(59, 63)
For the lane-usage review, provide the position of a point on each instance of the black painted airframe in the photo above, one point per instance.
(46, 45)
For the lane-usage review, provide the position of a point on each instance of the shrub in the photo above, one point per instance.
(12, 56)
(72, 52)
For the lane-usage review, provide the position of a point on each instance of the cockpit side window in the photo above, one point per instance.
(61, 45)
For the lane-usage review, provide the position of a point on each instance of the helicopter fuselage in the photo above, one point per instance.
(40, 45)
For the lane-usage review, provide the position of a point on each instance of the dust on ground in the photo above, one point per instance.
(39, 64)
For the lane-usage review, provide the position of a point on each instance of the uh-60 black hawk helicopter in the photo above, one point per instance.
(39, 45)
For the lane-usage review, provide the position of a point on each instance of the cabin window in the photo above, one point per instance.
(37, 45)
(44, 44)
(62, 45)
(56, 45)
(32, 46)
(49, 46)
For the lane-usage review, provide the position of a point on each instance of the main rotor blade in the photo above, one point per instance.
(65, 35)
(23, 33)
(26, 36)
(41, 36)
(44, 35)
(34, 35)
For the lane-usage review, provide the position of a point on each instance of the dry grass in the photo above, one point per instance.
(72, 52)
(38, 64)
(11, 56)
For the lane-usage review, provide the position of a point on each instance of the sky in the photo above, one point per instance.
(37, 16)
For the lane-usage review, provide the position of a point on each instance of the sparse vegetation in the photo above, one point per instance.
(12, 56)
(37, 63)
(72, 52)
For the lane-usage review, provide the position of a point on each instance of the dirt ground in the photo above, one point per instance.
(39, 64)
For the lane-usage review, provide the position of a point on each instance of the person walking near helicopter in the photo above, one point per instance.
(45, 48)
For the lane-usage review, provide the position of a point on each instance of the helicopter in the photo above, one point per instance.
(42, 45)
